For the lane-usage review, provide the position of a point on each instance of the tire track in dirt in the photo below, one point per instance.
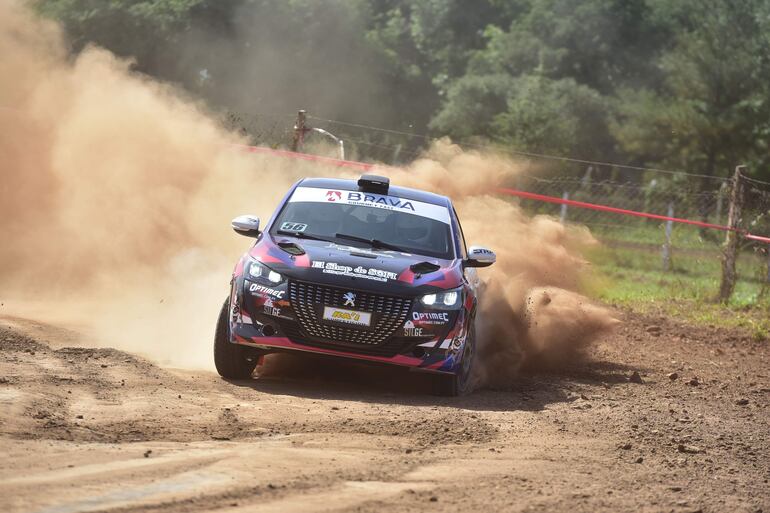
(333, 437)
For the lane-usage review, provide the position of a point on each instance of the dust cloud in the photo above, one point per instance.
(531, 314)
(116, 196)
(117, 192)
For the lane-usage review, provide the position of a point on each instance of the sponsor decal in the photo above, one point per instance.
(482, 251)
(357, 272)
(411, 331)
(363, 251)
(350, 299)
(347, 316)
(454, 347)
(293, 227)
(256, 287)
(269, 309)
(272, 308)
(387, 202)
(419, 208)
(431, 317)
(274, 312)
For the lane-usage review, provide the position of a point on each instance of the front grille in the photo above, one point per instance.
(388, 314)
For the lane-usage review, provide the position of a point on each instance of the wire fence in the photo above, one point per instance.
(664, 192)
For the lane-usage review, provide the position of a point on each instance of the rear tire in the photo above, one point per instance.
(231, 360)
(453, 385)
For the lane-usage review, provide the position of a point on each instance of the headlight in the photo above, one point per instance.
(262, 272)
(446, 300)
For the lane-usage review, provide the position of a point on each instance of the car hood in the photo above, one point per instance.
(348, 266)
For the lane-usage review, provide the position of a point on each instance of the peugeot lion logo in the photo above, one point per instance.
(350, 299)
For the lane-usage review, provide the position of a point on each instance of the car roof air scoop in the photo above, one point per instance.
(374, 183)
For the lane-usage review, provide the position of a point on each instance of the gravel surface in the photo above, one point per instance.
(662, 417)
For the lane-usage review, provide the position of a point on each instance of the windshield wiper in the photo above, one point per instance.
(375, 243)
(303, 235)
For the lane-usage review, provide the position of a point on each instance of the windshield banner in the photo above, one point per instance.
(367, 199)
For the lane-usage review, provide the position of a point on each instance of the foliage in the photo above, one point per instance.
(713, 96)
(649, 82)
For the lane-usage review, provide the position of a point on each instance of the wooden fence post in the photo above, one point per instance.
(667, 244)
(299, 131)
(731, 239)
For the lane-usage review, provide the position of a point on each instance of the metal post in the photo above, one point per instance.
(563, 215)
(396, 154)
(340, 142)
(299, 131)
(667, 244)
(731, 239)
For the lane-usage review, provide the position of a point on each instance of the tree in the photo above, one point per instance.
(710, 111)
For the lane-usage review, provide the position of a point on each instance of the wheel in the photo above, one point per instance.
(231, 360)
(460, 382)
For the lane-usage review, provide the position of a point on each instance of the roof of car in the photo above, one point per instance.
(393, 190)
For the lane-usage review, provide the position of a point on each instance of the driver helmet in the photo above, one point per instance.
(325, 219)
(412, 228)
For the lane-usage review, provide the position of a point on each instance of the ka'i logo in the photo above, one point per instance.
(350, 299)
(333, 195)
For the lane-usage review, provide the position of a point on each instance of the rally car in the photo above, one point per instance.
(360, 270)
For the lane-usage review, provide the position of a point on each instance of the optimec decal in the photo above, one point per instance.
(256, 287)
(430, 317)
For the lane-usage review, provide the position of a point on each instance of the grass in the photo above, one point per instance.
(628, 272)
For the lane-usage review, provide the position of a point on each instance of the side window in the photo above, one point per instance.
(463, 247)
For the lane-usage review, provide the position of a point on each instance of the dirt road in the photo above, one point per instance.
(84, 429)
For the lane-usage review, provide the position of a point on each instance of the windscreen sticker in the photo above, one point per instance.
(363, 251)
(293, 227)
(366, 199)
(354, 272)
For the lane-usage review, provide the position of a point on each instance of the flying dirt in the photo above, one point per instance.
(116, 194)
(130, 186)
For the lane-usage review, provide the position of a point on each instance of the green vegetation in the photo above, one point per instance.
(682, 84)
(627, 272)
(679, 84)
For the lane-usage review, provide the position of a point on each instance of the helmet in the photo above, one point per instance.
(411, 228)
(325, 219)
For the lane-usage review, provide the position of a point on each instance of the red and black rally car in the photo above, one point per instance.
(358, 270)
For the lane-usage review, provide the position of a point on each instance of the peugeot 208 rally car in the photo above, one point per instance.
(360, 270)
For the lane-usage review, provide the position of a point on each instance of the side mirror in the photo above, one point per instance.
(480, 257)
(246, 225)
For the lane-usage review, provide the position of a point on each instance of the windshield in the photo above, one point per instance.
(358, 219)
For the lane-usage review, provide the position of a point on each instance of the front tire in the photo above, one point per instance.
(453, 385)
(231, 360)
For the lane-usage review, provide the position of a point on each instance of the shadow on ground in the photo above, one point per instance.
(334, 379)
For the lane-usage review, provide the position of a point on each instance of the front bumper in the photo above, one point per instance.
(268, 320)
